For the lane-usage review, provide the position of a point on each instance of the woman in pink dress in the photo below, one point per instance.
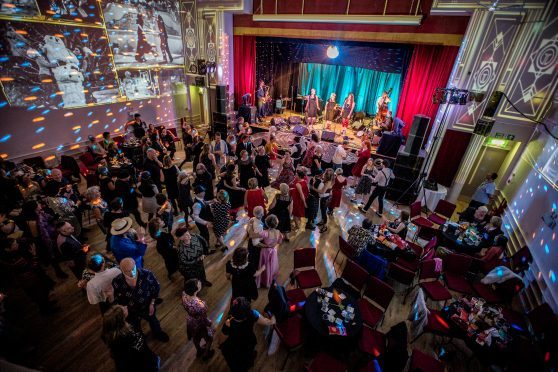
(271, 238)
(363, 156)
(299, 193)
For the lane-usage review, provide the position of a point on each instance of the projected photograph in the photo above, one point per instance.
(20, 8)
(76, 10)
(168, 79)
(55, 66)
(144, 33)
(137, 84)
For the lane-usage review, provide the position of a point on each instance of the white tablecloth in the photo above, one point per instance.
(431, 197)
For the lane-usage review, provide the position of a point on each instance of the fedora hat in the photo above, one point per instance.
(120, 225)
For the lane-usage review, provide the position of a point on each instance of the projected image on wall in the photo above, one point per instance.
(144, 34)
(55, 66)
(137, 84)
(74, 10)
(168, 79)
(21, 8)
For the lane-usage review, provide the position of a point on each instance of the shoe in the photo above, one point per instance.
(158, 301)
(323, 229)
(310, 227)
(161, 336)
(363, 210)
(208, 355)
(206, 283)
(379, 214)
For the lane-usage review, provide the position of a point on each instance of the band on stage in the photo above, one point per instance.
(331, 112)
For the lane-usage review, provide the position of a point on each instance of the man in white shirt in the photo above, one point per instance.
(339, 155)
(99, 288)
(381, 181)
(219, 149)
(485, 192)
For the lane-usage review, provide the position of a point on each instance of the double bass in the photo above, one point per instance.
(383, 108)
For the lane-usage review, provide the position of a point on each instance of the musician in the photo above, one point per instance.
(347, 111)
(387, 124)
(330, 109)
(260, 96)
(312, 107)
(383, 101)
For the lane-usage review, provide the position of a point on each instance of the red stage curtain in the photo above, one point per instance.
(429, 69)
(244, 67)
(449, 156)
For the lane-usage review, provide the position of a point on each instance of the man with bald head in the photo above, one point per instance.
(55, 182)
(138, 289)
(154, 167)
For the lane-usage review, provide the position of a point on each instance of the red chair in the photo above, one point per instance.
(380, 293)
(344, 247)
(118, 139)
(455, 268)
(424, 362)
(429, 282)
(308, 278)
(443, 212)
(426, 253)
(521, 260)
(372, 342)
(401, 274)
(498, 293)
(325, 362)
(355, 276)
(296, 298)
(417, 219)
(290, 334)
(436, 325)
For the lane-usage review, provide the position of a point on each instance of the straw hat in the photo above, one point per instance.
(120, 225)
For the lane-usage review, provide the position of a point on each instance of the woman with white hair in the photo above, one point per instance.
(282, 207)
(97, 204)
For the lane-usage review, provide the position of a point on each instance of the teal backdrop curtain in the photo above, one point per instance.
(367, 85)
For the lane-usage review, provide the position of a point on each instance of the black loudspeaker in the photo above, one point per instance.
(220, 124)
(300, 130)
(221, 96)
(416, 136)
(294, 120)
(406, 169)
(328, 136)
(493, 103)
(202, 67)
(483, 126)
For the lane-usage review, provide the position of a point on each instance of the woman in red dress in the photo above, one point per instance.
(299, 193)
(363, 156)
(254, 197)
(337, 190)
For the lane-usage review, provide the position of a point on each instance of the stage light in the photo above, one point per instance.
(463, 98)
(332, 51)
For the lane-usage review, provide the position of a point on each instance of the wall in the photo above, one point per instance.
(25, 132)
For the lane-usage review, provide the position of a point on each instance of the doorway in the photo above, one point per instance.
(489, 160)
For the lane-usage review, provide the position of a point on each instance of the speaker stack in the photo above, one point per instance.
(409, 161)
(220, 117)
(484, 124)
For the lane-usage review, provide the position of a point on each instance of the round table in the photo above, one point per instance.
(430, 198)
(462, 246)
(322, 338)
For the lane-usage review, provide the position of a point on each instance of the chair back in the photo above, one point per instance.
(444, 208)
(400, 274)
(304, 257)
(428, 270)
(345, 247)
(355, 275)
(457, 263)
(379, 291)
(521, 259)
(430, 249)
(509, 288)
(415, 209)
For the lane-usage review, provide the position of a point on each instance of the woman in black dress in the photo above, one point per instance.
(230, 185)
(203, 178)
(246, 169)
(165, 245)
(242, 275)
(238, 341)
(185, 201)
(221, 217)
(316, 166)
(282, 207)
(312, 108)
(127, 346)
(170, 171)
(168, 141)
(263, 164)
(208, 159)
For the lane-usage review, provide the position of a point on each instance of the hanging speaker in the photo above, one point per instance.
(492, 105)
